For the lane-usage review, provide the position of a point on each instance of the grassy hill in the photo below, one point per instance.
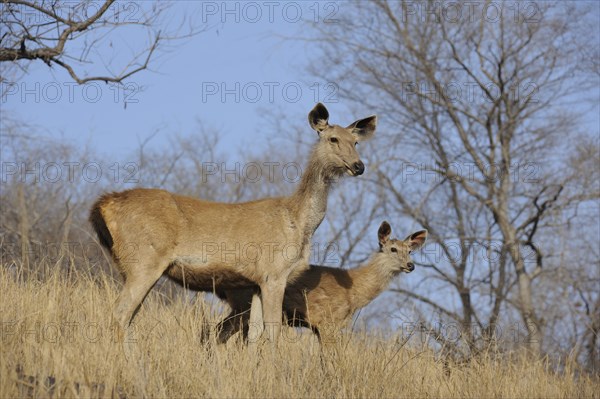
(57, 342)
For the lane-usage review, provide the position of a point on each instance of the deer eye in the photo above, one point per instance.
(394, 249)
(333, 139)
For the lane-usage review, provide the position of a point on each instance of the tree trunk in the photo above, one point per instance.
(23, 228)
(532, 324)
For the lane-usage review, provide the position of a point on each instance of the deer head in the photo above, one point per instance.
(336, 150)
(398, 251)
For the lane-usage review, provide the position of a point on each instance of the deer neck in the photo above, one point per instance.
(370, 280)
(309, 201)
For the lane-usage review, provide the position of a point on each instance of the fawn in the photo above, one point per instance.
(325, 298)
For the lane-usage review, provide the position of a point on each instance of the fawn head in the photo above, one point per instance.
(399, 250)
(337, 145)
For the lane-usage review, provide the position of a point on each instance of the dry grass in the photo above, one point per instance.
(56, 343)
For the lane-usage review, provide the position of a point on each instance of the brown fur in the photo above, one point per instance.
(150, 231)
(326, 298)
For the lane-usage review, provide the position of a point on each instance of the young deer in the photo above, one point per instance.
(325, 298)
(150, 231)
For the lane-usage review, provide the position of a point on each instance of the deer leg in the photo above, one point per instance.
(272, 304)
(239, 301)
(233, 323)
(256, 321)
(137, 285)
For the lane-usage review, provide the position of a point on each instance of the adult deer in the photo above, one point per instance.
(150, 231)
(325, 298)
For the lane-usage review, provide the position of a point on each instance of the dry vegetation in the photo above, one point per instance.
(56, 342)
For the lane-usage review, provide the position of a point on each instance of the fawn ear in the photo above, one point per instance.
(364, 129)
(318, 118)
(385, 230)
(416, 240)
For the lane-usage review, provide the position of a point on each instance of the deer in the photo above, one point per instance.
(325, 299)
(152, 232)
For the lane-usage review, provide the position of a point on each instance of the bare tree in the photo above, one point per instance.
(477, 107)
(77, 36)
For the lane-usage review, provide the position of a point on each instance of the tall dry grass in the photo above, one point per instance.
(56, 342)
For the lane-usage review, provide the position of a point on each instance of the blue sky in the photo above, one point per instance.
(242, 52)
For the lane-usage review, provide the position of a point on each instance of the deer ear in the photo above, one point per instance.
(416, 240)
(318, 118)
(385, 230)
(364, 129)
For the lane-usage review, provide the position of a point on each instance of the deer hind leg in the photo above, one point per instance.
(139, 279)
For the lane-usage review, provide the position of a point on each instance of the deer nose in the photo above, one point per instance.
(358, 168)
(411, 266)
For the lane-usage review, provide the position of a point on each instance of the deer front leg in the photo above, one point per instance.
(256, 322)
(272, 292)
